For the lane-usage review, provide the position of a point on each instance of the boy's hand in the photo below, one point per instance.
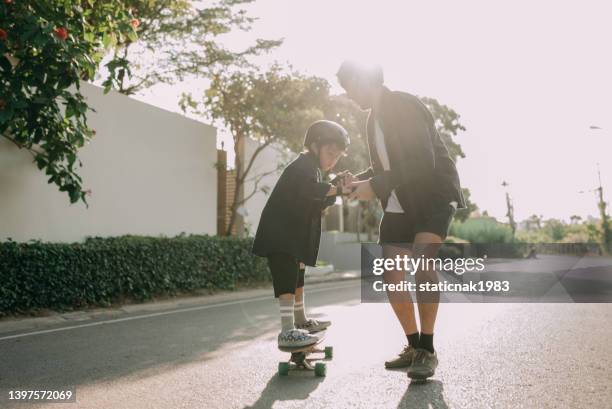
(348, 179)
(363, 191)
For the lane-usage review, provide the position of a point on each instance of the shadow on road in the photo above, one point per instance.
(297, 386)
(425, 395)
(144, 347)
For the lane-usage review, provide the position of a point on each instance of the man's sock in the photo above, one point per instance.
(426, 342)
(286, 314)
(413, 339)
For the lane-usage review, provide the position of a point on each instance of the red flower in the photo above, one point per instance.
(61, 33)
(135, 23)
(3, 35)
(8, 1)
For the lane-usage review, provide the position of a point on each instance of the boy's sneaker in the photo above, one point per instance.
(311, 325)
(423, 365)
(404, 358)
(295, 338)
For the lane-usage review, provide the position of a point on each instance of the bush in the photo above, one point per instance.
(101, 271)
(482, 230)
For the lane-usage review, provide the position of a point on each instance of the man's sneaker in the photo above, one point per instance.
(423, 365)
(404, 358)
(295, 338)
(311, 325)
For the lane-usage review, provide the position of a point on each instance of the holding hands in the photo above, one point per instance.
(357, 189)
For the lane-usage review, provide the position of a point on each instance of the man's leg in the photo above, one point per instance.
(426, 361)
(402, 305)
(427, 245)
(400, 301)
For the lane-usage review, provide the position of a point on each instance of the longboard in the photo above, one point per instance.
(301, 360)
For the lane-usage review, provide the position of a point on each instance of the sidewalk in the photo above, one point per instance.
(24, 324)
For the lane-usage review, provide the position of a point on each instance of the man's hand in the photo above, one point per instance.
(363, 191)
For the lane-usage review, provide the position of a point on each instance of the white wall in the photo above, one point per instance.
(151, 172)
(270, 159)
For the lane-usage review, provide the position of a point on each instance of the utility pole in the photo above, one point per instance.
(605, 221)
(510, 207)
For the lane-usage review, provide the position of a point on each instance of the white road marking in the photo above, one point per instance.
(157, 314)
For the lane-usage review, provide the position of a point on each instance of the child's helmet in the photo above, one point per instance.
(323, 131)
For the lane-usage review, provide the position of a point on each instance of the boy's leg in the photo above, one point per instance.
(286, 302)
(301, 321)
(299, 309)
(285, 269)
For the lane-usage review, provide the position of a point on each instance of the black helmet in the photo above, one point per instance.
(323, 131)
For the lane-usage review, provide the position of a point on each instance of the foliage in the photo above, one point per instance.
(273, 106)
(181, 38)
(448, 125)
(537, 230)
(102, 271)
(46, 49)
(482, 230)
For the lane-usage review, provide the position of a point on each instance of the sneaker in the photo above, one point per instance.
(295, 338)
(311, 325)
(403, 360)
(424, 364)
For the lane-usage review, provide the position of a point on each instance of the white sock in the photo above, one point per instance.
(299, 313)
(286, 314)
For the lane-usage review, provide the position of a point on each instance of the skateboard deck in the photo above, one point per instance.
(301, 360)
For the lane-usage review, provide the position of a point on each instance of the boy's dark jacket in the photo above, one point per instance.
(291, 220)
(422, 173)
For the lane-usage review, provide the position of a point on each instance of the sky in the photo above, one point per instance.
(529, 79)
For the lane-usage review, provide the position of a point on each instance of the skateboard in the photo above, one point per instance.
(301, 360)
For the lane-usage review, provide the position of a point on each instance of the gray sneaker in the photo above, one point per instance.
(404, 358)
(295, 338)
(424, 364)
(313, 325)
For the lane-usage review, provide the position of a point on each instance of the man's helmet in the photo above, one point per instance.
(324, 132)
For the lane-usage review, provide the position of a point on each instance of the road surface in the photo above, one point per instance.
(224, 355)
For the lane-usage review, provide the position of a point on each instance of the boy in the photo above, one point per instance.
(289, 230)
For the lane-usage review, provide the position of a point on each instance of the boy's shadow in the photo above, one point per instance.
(424, 394)
(296, 386)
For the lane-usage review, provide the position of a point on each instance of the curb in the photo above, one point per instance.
(26, 324)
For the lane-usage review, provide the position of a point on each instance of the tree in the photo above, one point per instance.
(46, 49)
(275, 106)
(448, 125)
(181, 38)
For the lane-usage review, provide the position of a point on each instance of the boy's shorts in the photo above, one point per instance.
(286, 273)
(399, 228)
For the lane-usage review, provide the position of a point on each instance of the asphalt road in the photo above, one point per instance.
(225, 356)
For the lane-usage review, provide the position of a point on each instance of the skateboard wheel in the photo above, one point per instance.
(283, 368)
(329, 352)
(320, 369)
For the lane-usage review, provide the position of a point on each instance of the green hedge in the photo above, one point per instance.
(100, 271)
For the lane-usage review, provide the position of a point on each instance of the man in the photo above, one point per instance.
(417, 183)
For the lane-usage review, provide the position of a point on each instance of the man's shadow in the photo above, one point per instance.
(424, 394)
(295, 386)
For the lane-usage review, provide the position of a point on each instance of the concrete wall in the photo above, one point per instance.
(151, 172)
(269, 162)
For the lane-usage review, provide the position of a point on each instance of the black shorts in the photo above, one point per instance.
(399, 228)
(286, 273)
